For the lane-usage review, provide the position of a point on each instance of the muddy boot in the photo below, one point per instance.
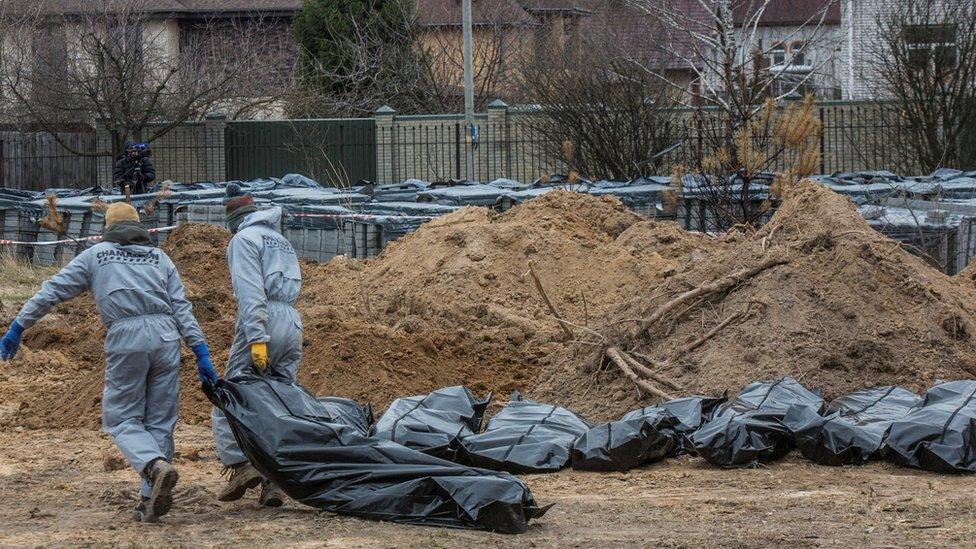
(163, 478)
(243, 477)
(141, 512)
(271, 495)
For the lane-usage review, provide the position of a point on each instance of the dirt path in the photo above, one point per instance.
(55, 490)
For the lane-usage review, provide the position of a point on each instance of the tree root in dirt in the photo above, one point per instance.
(715, 286)
(708, 335)
(617, 358)
(552, 308)
(660, 378)
(640, 373)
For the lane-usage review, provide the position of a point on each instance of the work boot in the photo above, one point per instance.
(243, 477)
(163, 478)
(271, 495)
(141, 512)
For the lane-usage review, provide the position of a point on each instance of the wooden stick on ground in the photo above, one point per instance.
(552, 308)
(708, 335)
(621, 363)
(660, 378)
(715, 286)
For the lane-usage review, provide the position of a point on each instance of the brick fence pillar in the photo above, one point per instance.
(104, 165)
(386, 170)
(499, 155)
(214, 135)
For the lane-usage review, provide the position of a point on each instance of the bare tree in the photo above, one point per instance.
(925, 58)
(415, 69)
(499, 53)
(736, 73)
(601, 113)
(112, 62)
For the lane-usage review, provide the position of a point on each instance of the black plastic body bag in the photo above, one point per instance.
(854, 428)
(642, 436)
(749, 429)
(431, 422)
(295, 441)
(940, 433)
(525, 437)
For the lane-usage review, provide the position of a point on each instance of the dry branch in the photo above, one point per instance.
(708, 335)
(617, 358)
(552, 308)
(660, 378)
(716, 286)
(53, 221)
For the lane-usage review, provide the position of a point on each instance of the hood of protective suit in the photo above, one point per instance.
(270, 217)
(127, 234)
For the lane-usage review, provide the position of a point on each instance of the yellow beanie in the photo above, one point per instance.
(120, 211)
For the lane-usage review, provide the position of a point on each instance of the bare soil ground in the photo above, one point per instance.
(55, 491)
(450, 304)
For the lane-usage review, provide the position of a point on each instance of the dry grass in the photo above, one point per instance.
(19, 280)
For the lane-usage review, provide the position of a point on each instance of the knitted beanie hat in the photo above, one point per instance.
(237, 203)
(120, 211)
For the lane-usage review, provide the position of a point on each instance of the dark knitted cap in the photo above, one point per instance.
(235, 198)
(237, 203)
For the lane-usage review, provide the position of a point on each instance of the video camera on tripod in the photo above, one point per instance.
(134, 168)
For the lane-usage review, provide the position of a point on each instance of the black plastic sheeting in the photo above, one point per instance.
(642, 436)
(940, 434)
(854, 428)
(316, 458)
(431, 422)
(749, 430)
(349, 412)
(525, 437)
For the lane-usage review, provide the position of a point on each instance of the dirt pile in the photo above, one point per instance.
(451, 303)
(839, 307)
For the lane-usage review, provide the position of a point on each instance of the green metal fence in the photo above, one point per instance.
(332, 151)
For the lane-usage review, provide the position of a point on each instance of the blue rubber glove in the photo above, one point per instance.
(11, 341)
(205, 368)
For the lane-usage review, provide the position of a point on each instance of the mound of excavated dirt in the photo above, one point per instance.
(848, 309)
(451, 303)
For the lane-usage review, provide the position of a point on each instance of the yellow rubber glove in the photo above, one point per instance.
(259, 355)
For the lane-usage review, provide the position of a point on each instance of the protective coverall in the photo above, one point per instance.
(141, 300)
(266, 280)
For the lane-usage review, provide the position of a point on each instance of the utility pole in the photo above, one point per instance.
(470, 132)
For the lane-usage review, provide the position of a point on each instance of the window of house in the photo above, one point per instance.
(126, 40)
(931, 47)
(777, 54)
(50, 48)
(797, 50)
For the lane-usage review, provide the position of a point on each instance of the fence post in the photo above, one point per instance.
(498, 163)
(104, 165)
(214, 144)
(386, 171)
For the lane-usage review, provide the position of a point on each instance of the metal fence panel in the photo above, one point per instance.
(333, 152)
(36, 161)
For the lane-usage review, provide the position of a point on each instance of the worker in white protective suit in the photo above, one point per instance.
(141, 301)
(268, 333)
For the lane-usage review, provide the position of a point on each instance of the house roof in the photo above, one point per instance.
(640, 35)
(447, 13)
(564, 7)
(785, 13)
(175, 7)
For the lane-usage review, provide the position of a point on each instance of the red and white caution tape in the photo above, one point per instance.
(71, 240)
(365, 217)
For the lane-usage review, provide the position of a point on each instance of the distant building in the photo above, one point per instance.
(801, 41)
(860, 30)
